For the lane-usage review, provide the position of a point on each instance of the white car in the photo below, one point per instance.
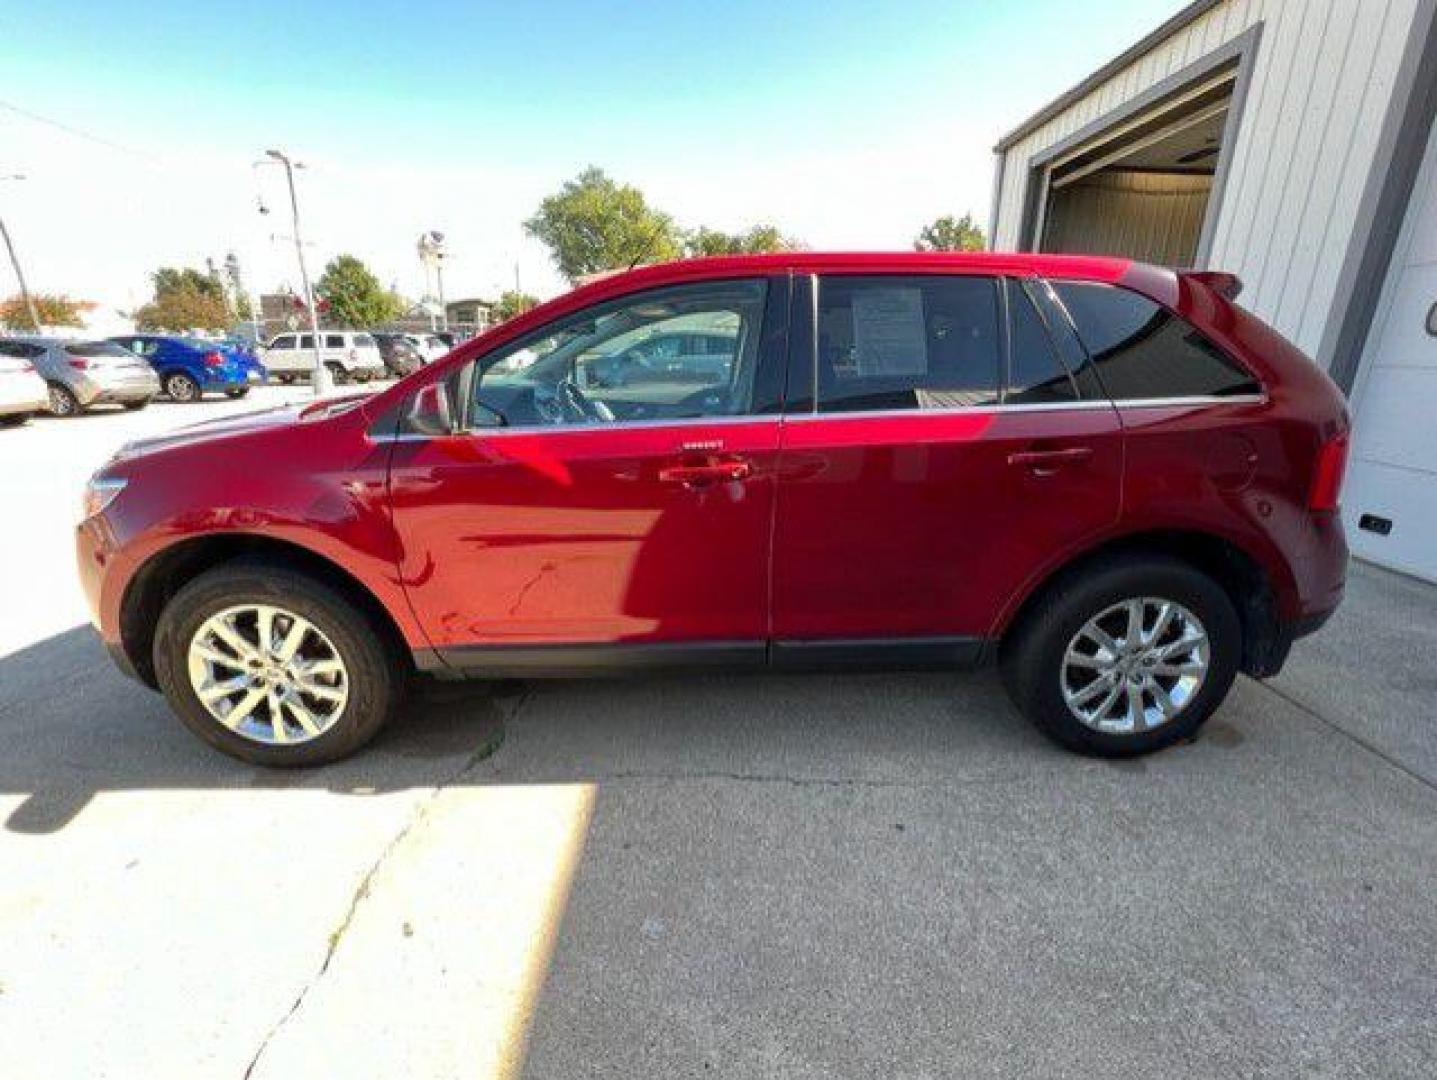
(350, 356)
(429, 346)
(22, 392)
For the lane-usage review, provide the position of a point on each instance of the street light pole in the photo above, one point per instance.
(15, 262)
(320, 378)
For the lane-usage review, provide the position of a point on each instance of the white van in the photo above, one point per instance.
(348, 355)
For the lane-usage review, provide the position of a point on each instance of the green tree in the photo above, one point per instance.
(513, 303)
(593, 224)
(53, 311)
(185, 299)
(754, 241)
(356, 298)
(951, 234)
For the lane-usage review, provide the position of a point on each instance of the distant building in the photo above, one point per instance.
(469, 317)
(278, 312)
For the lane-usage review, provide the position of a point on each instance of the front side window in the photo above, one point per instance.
(923, 342)
(1142, 351)
(363, 341)
(683, 352)
(284, 341)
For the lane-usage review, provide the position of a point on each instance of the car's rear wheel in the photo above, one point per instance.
(237, 393)
(286, 379)
(63, 401)
(15, 419)
(1125, 657)
(338, 374)
(182, 387)
(274, 667)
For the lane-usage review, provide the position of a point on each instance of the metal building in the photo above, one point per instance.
(1289, 141)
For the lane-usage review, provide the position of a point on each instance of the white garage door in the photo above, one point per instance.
(1390, 503)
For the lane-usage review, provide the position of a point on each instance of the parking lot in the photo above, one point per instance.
(748, 876)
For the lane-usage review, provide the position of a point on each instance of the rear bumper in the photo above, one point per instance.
(92, 391)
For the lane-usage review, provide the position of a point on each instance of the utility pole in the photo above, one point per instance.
(15, 262)
(320, 378)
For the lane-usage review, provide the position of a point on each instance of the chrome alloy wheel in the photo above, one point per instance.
(1135, 666)
(268, 674)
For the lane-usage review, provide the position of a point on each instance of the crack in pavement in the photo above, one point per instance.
(361, 892)
(816, 781)
(1366, 744)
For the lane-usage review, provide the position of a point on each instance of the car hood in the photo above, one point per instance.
(231, 426)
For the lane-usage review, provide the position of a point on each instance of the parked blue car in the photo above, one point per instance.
(190, 367)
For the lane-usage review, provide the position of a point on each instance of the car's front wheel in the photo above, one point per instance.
(1124, 657)
(237, 392)
(274, 667)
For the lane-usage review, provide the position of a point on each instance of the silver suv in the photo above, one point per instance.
(84, 373)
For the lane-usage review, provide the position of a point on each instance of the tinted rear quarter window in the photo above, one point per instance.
(97, 348)
(1143, 351)
(1035, 374)
(923, 342)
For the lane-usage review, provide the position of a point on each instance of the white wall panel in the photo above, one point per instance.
(1320, 88)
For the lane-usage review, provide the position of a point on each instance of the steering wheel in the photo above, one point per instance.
(582, 408)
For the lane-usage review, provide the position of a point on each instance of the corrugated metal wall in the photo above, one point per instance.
(1309, 133)
(1156, 217)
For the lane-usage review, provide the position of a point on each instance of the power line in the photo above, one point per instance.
(77, 132)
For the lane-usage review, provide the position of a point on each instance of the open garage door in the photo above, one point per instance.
(1143, 187)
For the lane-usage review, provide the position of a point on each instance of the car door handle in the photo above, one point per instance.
(1047, 462)
(699, 475)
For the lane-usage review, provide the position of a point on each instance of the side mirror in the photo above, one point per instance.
(429, 412)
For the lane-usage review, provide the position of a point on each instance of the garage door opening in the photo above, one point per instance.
(1143, 187)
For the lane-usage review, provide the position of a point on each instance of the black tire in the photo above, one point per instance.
(182, 388)
(286, 379)
(338, 374)
(376, 681)
(237, 393)
(136, 406)
(1033, 652)
(15, 420)
(63, 401)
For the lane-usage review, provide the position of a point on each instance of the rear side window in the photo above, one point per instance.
(306, 341)
(334, 341)
(1035, 374)
(923, 342)
(1143, 351)
(96, 348)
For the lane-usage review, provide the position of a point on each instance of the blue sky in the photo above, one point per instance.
(846, 124)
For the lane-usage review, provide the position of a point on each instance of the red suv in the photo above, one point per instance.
(1104, 476)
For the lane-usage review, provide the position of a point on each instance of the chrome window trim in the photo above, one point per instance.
(1044, 406)
(857, 414)
(560, 429)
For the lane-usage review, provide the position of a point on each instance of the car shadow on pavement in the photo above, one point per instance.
(75, 727)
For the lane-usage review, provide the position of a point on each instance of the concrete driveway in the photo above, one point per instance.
(790, 877)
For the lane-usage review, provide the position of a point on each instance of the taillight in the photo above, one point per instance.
(1327, 473)
(26, 367)
(213, 359)
(78, 363)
